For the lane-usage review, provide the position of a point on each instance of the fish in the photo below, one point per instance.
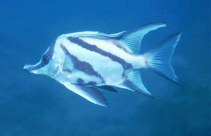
(90, 61)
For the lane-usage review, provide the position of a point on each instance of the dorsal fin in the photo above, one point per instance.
(134, 38)
(117, 34)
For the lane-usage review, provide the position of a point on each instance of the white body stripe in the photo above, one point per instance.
(110, 47)
(84, 55)
(65, 76)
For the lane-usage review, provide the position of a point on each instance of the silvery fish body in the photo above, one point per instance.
(85, 62)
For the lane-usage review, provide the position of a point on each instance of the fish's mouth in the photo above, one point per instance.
(40, 69)
(26, 67)
(30, 68)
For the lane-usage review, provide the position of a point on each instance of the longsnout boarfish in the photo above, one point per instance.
(88, 62)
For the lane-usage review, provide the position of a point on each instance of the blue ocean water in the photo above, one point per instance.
(32, 105)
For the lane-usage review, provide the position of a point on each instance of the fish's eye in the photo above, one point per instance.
(45, 59)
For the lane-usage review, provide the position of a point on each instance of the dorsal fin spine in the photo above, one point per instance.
(133, 39)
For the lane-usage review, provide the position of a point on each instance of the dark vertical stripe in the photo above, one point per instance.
(102, 52)
(82, 66)
(80, 81)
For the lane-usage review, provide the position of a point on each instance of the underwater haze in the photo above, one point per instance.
(35, 105)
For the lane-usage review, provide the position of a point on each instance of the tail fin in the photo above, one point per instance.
(159, 59)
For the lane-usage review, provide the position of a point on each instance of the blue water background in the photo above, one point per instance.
(32, 105)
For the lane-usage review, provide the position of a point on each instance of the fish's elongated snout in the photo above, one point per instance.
(26, 67)
(30, 68)
(41, 68)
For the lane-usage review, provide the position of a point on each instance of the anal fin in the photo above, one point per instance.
(134, 83)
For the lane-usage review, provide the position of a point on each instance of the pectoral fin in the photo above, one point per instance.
(89, 93)
(68, 64)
